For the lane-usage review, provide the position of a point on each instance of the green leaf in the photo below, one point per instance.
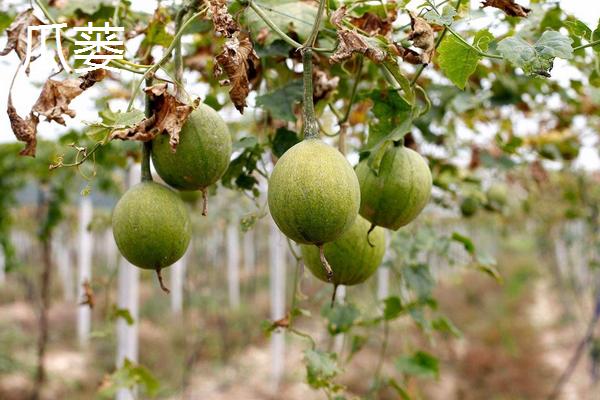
(578, 29)
(321, 368)
(283, 140)
(340, 317)
(487, 264)
(5, 21)
(596, 36)
(357, 342)
(536, 59)
(445, 19)
(419, 364)
(289, 16)
(458, 61)
(86, 6)
(156, 33)
(280, 102)
(465, 241)
(393, 308)
(418, 278)
(123, 313)
(245, 143)
(393, 118)
(444, 325)
(111, 120)
(129, 376)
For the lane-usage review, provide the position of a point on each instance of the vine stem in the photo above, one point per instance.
(164, 58)
(421, 67)
(584, 46)
(261, 14)
(177, 55)
(310, 42)
(310, 129)
(147, 146)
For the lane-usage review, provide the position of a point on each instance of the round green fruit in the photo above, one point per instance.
(351, 257)
(202, 154)
(313, 193)
(151, 226)
(398, 192)
(469, 206)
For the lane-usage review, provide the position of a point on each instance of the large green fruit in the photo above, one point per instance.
(351, 257)
(398, 192)
(151, 226)
(313, 193)
(202, 155)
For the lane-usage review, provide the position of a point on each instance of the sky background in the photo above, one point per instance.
(27, 88)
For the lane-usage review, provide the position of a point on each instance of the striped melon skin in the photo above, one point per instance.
(313, 193)
(399, 192)
(352, 259)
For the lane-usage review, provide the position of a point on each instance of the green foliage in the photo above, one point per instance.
(458, 61)
(419, 364)
(536, 59)
(130, 375)
(280, 102)
(340, 317)
(321, 369)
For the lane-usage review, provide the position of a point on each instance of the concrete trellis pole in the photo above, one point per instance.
(340, 297)
(233, 264)
(383, 272)
(62, 258)
(2, 267)
(84, 266)
(177, 278)
(249, 252)
(128, 299)
(277, 257)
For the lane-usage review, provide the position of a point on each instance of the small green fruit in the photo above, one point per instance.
(398, 192)
(469, 206)
(151, 226)
(313, 193)
(202, 155)
(351, 257)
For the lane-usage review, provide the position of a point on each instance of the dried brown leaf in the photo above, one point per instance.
(24, 129)
(88, 295)
(351, 42)
(169, 115)
(17, 34)
(240, 62)
(508, 6)
(423, 37)
(223, 22)
(56, 96)
(337, 16)
(373, 24)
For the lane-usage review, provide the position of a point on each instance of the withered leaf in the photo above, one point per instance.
(56, 96)
(52, 103)
(508, 6)
(351, 42)
(168, 116)
(422, 37)
(223, 22)
(240, 62)
(17, 34)
(373, 24)
(24, 129)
